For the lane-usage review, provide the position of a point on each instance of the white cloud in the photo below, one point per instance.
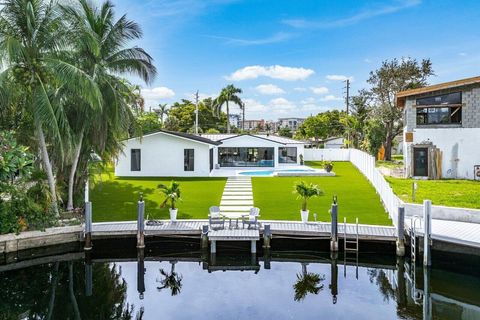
(319, 90)
(269, 89)
(252, 105)
(338, 77)
(154, 96)
(331, 97)
(367, 13)
(300, 89)
(462, 54)
(274, 72)
(281, 106)
(201, 95)
(278, 37)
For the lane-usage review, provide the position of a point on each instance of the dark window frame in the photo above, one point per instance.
(429, 109)
(188, 159)
(137, 164)
(281, 156)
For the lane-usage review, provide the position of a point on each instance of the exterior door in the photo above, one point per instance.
(420, 162)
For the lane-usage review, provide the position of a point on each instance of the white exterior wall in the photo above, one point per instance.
(334, 144)
(460, 149)
(162, 155)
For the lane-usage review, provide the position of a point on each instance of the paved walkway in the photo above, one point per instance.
(237, 198)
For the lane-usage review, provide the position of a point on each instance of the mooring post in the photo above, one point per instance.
(334, 226)
(401, 283)
(427, 231)
(401, 232)
(427, 299)
(334, 276)
(88, 225)
(141, 223)
(267, 236)
(213, 246)
(253, 246)
(204, 237)
(140, 272)
(88, 274)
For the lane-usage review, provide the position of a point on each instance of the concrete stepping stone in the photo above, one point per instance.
(235, 197)
(236, 202)
(235, 208)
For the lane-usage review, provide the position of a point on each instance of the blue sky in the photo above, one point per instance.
(290, 57)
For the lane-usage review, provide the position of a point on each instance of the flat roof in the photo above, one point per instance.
(401, 95)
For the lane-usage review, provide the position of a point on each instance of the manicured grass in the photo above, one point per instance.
(453, 193)
(115, 199)
(356, 197)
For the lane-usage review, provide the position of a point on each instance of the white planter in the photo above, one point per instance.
(304, 215)
(173, 214)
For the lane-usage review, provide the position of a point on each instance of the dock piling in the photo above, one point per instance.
(204, 237)
(140, 223)
(88, 226)
(267, 236)
(334, 226)
(88, 274)
(401, 232)
(427, 231)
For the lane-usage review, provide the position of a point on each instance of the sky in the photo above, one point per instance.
(291, 58)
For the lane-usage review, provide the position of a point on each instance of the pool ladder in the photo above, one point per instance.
(350, 249)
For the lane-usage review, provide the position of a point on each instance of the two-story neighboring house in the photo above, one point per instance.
(442, 130)
(292, 123)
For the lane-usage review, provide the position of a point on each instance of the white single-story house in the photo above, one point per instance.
(442, 130)
(179, 154)
(333, 143)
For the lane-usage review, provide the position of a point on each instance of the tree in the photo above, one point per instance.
(285, 132)
(99, 46)
(228, 94)
(172, 280)
(162, 111)
(306, 191)
(355, 123)
(171, 192)
(32, 40)
(374, 136)
(394, 76)
(148, 122)
(307, 282)
(323, 125)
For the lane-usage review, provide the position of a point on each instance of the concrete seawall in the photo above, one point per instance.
(33, 239)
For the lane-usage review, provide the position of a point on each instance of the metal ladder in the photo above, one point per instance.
(415, 294)
(413, 236)
(347, 249)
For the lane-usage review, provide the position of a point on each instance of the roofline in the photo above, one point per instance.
(251, 135)
(436, 87)
(181, 135)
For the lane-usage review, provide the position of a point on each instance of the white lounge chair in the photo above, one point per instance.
(251, 219)
(215, 219)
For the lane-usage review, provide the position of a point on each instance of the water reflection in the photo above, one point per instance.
(278, 285)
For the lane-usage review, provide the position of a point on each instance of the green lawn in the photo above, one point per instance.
(454, 193)
(356, 197)
(115, 199)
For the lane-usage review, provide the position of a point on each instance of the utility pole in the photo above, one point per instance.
(196, 112)
(347, 100)
(243, 116)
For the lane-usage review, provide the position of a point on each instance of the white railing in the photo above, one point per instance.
(366, 164)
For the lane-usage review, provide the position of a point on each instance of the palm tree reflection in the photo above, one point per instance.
(171, 280)
(307, 282)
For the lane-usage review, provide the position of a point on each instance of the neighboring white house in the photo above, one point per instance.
(292, 123)
(167, 153)
(442, 130)
(333, 143)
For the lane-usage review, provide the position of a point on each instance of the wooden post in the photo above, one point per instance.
(140, 272)
(88, 226)
(401, 232)
(334, 276)
(141, 224)
(427, 230)
(401, 283)
(253, 246)
(213, 247)
(267, 236)
(334, 226)
(427, 300)
(204, 237)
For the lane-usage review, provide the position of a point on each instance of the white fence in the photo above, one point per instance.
(366, 164)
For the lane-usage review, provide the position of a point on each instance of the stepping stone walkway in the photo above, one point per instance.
(237, 197)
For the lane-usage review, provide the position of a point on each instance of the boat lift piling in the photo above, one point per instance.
(88, 226)
(141, 223)
(401, 232)
(334, 226)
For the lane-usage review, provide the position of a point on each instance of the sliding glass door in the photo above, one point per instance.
(246, 157)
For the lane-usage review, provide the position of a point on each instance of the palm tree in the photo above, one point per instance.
(307, 282)
(162, 111)
(32, 38)
(306, 191)
(99, 46)
(228, 94)
(171, 192)
(171, 280)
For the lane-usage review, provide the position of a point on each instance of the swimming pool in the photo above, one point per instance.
(273, 172)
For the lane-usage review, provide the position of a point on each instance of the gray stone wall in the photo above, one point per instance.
(470, 109)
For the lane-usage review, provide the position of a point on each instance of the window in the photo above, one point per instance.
(246, 157)
(287, 155)
(188, 160)
(135, 160)
(442, 109)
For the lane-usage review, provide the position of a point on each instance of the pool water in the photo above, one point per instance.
(272, 171)
(190, 285)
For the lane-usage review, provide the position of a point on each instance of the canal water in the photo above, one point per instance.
(181, 282)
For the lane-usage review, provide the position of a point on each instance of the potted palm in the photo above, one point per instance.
(305, 191)
(172, 195)
(301, 159)
(328, 166)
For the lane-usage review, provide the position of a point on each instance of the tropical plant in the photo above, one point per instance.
(99, 46)
(32, 40)
(171, 280)
(171, 192)
(307, 282)
(327, 165)
(162, 111)
(285, 132)
(306, 191)
(228, 94)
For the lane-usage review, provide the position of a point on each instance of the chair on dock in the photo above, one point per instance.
(215, 219)
(251, 219)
